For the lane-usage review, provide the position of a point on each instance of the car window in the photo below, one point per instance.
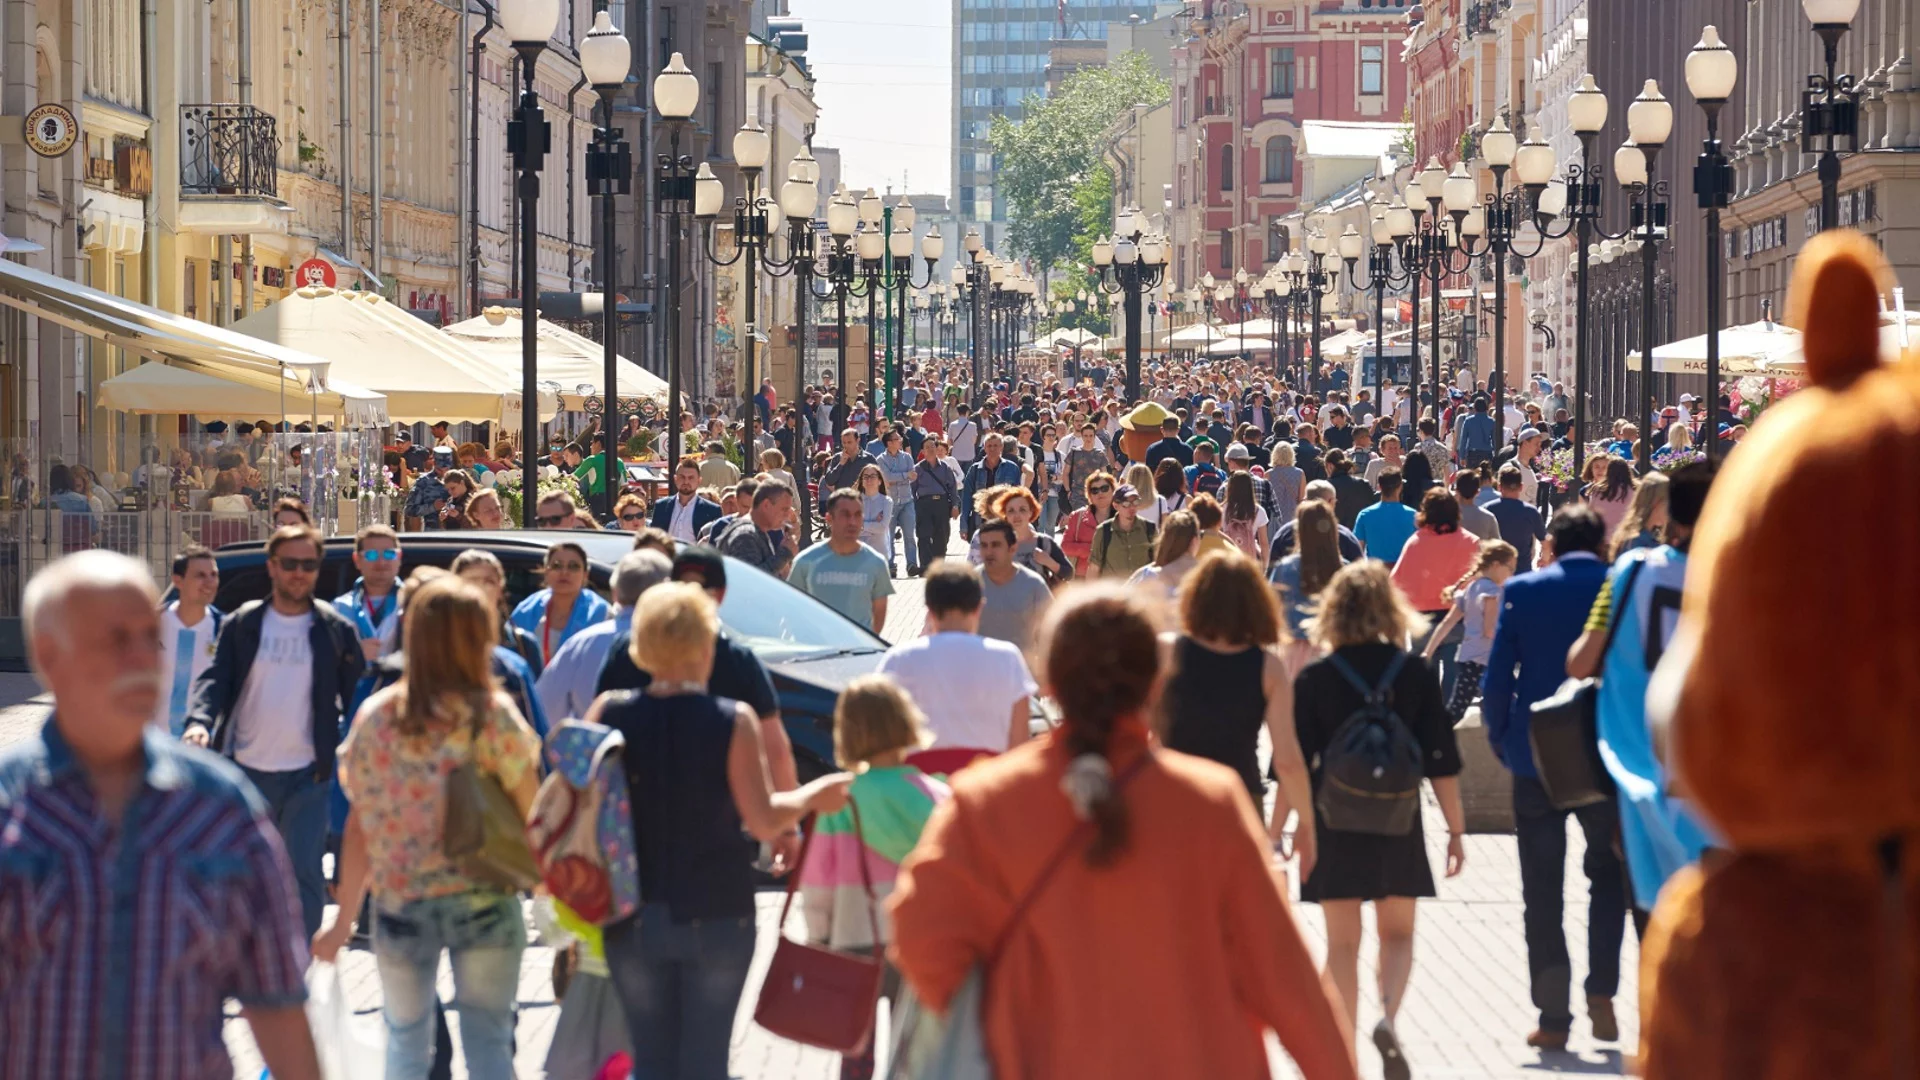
(779, 622)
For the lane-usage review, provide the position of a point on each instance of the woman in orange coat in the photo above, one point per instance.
(1158, 942)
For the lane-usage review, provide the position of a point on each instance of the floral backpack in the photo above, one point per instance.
(581, 824)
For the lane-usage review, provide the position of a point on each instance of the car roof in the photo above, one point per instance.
(602, 546)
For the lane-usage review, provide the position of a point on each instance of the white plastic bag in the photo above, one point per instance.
(351, 1047)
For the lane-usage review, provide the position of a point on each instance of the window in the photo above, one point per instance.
(1226, 249)
(716, 80)
(1280, 159)
(1276, 239)
(1280, 73)
(1373, 68)
(1226, 167)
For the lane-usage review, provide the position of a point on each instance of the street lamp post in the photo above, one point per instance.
(1392, 229)
(1830, 105)
(1435, 244)
(799, 198)
(529, 25)
(1649, 123)
(606, 56)
(751, 148)
(676, 93)
(1712, 70)
(897, 280)
(1131, 264)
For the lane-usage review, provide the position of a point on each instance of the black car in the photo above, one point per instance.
(811, 650)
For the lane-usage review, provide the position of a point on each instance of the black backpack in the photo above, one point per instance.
(1371, 768)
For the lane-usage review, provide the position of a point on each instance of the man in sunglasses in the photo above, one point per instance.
(283, 671)
(373, 604)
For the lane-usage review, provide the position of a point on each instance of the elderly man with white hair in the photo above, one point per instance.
(152, 883)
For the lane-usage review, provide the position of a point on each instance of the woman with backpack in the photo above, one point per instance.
(1367, 683)
(1060, 906)
(1244, 520)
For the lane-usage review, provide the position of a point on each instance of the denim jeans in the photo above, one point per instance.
(904, 519)
(1050, 513)
(297, 806)
(680, 984)
(1543, 864)
(485, 935)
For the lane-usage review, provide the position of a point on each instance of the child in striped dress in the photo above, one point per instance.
(875, 726)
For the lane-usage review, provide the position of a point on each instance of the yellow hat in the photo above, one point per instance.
(1146, 416)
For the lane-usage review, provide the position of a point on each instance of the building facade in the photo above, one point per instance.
(1001, 56)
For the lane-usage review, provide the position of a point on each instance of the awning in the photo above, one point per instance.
(1762, 348)
(1072, 337)
(1197, 335)
(1236, 345)
(573, 363)
(161, 389)
(425, 374)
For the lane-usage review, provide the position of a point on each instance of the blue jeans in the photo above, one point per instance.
(485, 935)
(1050, 513)
(297, 806)
(905, 520)
(680, 984)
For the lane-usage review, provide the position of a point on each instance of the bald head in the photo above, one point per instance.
(93, 629)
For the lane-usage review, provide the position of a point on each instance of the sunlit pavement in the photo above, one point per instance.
(1465, 1017)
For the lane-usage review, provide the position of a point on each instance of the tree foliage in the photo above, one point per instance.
(1049, 166)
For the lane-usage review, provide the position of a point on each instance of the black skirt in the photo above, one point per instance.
(1362, 866)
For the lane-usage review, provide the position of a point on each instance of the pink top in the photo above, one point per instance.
(1430, 562)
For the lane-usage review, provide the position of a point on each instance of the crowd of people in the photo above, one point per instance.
(1227, 595)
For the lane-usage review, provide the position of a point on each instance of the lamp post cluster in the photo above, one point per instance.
(1830, 104)
(1130, 263)
(1294, 290)
(605, 59)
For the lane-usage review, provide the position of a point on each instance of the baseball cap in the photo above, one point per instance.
(701, 564)
(1204, 444)
(1125, 493)
(1527, 433)
(443, 452)
(403, 436)
(1239, 452)
(1688, 399)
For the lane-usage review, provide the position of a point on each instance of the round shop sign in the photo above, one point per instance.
(314, 272)
(51, 130)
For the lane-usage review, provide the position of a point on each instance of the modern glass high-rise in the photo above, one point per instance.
(1000, 51)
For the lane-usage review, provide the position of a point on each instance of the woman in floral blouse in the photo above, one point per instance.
(394, 763)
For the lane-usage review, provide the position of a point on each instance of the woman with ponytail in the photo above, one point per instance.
(1049, 869)
(1475, 600)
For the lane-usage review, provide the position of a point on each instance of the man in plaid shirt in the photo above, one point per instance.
(141, 884)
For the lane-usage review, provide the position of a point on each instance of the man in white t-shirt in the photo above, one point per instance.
(975, 691)
(188, 628)
(963, 437)
(283, 671)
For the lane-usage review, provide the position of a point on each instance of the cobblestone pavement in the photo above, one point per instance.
(1465, 1015)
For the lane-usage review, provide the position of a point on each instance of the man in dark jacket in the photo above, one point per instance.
(1542, 614)
(1169, 446)
(283, 672)
(844, 470)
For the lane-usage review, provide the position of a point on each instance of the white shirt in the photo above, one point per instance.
(1514, 417)
(965, 684)
(681, 527)
(273, 720)
(963, 438)
(177, 640)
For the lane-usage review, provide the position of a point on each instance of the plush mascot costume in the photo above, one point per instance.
(1796, 729)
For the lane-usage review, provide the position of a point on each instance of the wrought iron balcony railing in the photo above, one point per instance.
(228, 149)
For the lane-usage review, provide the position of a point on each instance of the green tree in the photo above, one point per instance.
(1049, 165)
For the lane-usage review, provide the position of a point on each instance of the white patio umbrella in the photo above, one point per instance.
(1762, 348)
(1199, 335)
(1236, 345)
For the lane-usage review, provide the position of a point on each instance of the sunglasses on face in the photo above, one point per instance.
(556, 519)
(382, 555)
(633, 517)
(299, 566)
(1099, 491)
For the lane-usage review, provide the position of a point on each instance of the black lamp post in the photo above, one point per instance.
(1129, 266)
(605, 58)
(1440, 248)
(676, 93)
(751, 149)
(529, 25)
(1392, 229)
(1829, 107)
(1649, 122)
(1712, 70)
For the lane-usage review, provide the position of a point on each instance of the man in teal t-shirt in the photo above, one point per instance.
(843, 573)
(1386, 526)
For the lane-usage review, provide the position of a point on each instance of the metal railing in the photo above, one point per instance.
(30, 539)
(228, 149)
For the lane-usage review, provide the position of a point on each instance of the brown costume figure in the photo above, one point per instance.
(1797, 727)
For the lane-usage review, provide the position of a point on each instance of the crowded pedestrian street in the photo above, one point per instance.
(959, 540)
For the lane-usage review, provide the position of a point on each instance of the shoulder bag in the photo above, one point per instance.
(928, 1047)
(818, 996)
(1564, 730)
(483, 835)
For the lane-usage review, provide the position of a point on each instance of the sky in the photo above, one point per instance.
(884, 87)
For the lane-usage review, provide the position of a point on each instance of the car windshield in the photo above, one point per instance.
(779, 622)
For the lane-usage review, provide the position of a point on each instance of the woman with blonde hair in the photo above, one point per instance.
(446, 710)
(1174, 556)
(1679, 441)
(1061, 905)
(697, 776)
(1288, 482)
(1364, 625)
(1646, 517)
(1141, 478)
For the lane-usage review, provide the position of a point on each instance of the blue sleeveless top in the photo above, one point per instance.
(694, 856)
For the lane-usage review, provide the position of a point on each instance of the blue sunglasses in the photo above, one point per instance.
(382, 555)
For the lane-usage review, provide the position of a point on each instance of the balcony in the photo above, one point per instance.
(229, 171)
